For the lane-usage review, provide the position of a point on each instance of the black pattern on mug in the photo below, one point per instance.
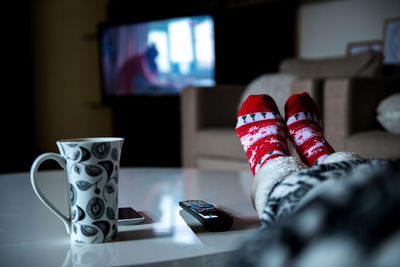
(77, 169)
(110, 213)
(109, 188)
(72, 144)
(74, 215)
(77, 214)
(83, 185)
(76, 155)
(108, 166)
(93, 170)
(72, 194)
(115, 154)
(81, 213)
(100, 150)
(88, 230)
(85, 154)
(95, 208)
(74, 228)
(104, 227)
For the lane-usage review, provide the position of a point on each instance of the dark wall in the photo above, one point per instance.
(16, 107)
(250, 40)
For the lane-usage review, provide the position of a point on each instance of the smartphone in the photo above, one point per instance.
(128, 216)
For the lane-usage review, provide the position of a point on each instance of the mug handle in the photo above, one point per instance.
(34, 169)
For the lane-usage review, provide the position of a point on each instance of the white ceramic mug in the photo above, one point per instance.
(91, 166)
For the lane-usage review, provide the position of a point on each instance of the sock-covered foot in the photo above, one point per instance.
(304, 124)
(261, 130)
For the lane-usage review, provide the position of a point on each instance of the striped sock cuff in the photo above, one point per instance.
(256, 117)
(301, 116)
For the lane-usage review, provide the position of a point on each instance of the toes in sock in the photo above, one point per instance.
(304, 124)
(261, 130)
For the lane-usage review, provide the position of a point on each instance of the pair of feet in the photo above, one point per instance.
(263, 133)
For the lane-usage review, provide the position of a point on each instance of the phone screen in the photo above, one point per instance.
(128, 214)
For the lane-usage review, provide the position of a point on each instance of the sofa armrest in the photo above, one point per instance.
(350, 106)
(206, 107)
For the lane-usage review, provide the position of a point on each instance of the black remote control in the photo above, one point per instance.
(212, 218)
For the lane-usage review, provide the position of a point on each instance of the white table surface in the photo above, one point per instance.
(31, 235)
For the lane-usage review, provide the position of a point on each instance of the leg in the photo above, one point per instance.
(341, 156)
(261, 130)
(304, 124)
(263, 136)
(269, 175)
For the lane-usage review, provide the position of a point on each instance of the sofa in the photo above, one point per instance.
(208, 119)
(208, 114)
(350, 115)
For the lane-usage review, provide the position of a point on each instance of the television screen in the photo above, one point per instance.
(157, 57)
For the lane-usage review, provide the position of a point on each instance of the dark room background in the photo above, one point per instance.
(251, 38)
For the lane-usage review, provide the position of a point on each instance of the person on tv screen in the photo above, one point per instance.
(139, 73)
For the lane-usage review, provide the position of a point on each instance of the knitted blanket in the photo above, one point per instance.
(338, 214)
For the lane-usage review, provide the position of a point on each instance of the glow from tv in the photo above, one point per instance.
(158, 57)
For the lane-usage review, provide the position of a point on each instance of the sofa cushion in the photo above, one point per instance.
(277, 85)
(389, 113)
(375, 143)
(360, 65)
(219, 142)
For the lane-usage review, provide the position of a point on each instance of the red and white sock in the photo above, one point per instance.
(261, 130)
(304, 124)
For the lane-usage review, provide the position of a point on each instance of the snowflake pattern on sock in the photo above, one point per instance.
(304, 124)
(261, 130)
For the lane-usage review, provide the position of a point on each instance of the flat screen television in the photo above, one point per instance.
(157, 57)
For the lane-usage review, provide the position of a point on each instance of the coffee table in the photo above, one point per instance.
(33, 236)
